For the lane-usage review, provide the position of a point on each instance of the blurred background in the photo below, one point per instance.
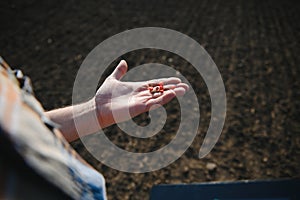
(255, 45)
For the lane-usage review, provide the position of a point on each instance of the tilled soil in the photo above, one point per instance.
(255, 45)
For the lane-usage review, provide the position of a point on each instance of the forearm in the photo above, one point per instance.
(125, 99)
(77, 120)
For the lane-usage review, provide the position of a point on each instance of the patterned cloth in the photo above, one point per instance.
(35, 159)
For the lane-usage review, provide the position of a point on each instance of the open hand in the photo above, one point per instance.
(118, 101)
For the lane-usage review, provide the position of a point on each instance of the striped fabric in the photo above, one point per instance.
(32, 143)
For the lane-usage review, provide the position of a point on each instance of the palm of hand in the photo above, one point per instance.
(118, 101)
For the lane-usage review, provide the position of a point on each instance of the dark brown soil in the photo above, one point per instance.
(255, 44)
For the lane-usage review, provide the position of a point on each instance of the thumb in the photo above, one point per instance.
(120, 70)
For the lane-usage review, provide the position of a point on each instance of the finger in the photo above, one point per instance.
(157, 94)
(146, 87)
(180, 91)
(162, 99)
(173, 86)
(183, 85)
(120, 70)
(165, 81)
(170, 87)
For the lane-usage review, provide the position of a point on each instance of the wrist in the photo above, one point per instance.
(85, 117)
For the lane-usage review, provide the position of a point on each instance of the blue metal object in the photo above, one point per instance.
(286, 189)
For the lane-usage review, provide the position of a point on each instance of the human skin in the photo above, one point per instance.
(114, 102)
